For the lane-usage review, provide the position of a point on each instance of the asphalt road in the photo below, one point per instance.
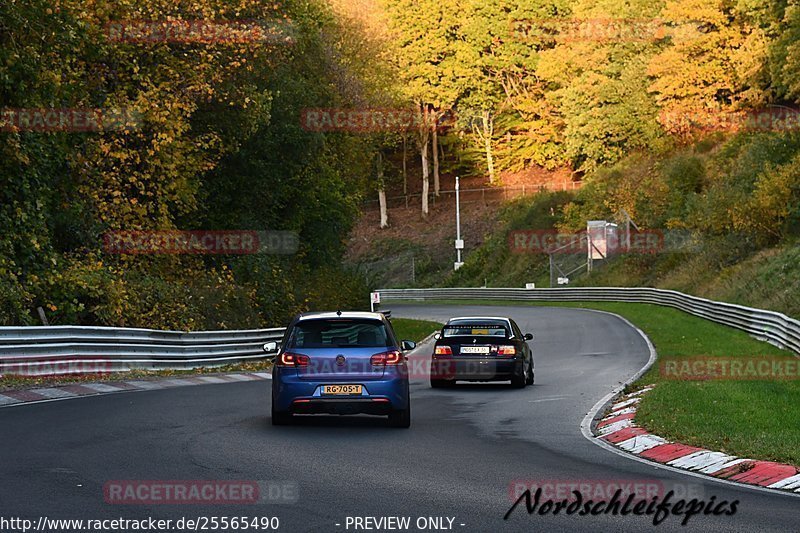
(466, 448)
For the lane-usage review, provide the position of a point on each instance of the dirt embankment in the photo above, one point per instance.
(417, 250)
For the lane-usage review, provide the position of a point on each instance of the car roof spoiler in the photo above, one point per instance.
(475, 326)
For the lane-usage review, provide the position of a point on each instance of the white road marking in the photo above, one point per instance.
(548, 399)
(641, 443)
(147, 385)
(100, 387)
(54, 393)
(626, 403)
(177, 382)
(211, 379)
(625, 411)
(240, 377)
(700, 460)
(5, 400)
(616, 426)
(722, 466)
(788, 483)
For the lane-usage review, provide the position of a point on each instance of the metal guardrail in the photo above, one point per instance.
(81, 349)
(775, 328)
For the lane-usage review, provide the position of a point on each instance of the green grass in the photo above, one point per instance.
(755, 419)
(413, 330)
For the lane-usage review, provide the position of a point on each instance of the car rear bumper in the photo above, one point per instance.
(341, 406)
(291, 394)
(476, 369)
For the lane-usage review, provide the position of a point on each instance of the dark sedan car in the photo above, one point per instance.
(482, 349)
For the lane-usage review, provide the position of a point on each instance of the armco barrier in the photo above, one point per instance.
(80, 349)
(775, 328)
(74, 349)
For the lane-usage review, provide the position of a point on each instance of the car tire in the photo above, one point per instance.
(280, 418)
(401, 418)
(440, 383)
(519, 381)
(530, 378)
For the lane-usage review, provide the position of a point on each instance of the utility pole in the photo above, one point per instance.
(459, 243)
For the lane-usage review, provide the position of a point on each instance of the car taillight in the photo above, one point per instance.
(393, 357)
(442, 350)
(506, 351)
(293, 359)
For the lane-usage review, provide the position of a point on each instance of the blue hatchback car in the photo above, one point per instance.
(341, 363)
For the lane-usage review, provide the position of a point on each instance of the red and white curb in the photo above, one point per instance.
(762, 476)
(619, 429)
(80, 390)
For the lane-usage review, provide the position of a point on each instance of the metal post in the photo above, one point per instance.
(459, 244)
(552, 272)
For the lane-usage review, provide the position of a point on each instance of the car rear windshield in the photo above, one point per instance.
(339, 333)
(475, 330)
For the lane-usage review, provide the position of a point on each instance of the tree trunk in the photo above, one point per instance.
(384, 212)
(382, 194)
(423, 150)
(405, 164)
(435, 148)
(485, 133)
(489, 155)
(425, 178)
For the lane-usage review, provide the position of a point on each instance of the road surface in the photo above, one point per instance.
(455, 468)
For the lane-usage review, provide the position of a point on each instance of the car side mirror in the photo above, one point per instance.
(407, 346)
(437, 335)
(270, 347)
(528, 336)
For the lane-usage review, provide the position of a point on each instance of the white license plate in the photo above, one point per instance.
(341, 389)
(475, 349)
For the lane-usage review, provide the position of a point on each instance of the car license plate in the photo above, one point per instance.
(341, 389)
(475, 349)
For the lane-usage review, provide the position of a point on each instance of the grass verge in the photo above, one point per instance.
(755, 419)
(414, 330)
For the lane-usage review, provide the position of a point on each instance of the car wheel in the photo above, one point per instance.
(440, 383)
(518, 381)
(530, 378)
(280, 418)
(401, 418)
